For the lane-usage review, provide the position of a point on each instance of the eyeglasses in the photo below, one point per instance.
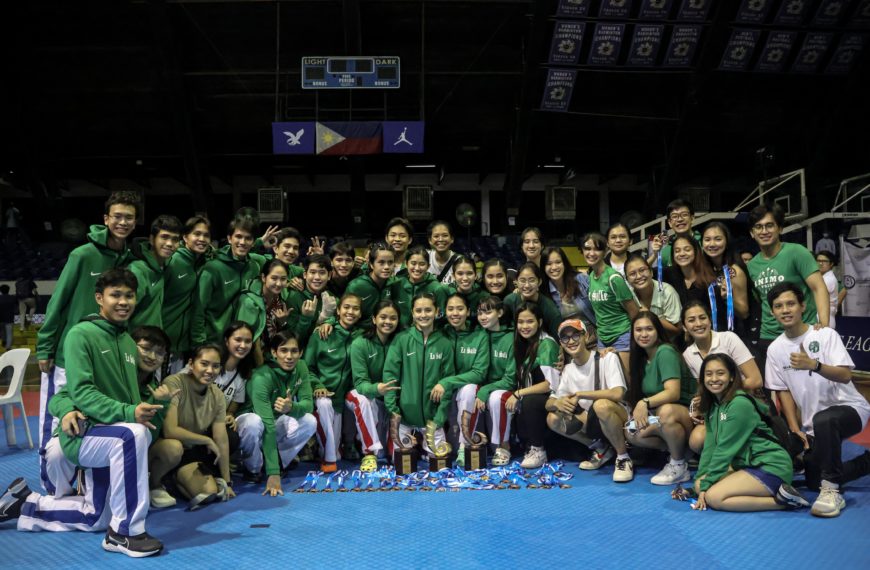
(768, 227)
(821, 261)
(638, 272)
(151, 351)
(570, 338)
(680, 216)
(532, 281)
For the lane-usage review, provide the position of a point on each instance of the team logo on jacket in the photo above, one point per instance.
(129, 359)
(723, 416)
(467, 350)
(435, 355)
(500, 353)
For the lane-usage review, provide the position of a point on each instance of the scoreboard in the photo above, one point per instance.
(377, 72)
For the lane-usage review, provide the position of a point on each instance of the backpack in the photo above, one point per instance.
(782, 436)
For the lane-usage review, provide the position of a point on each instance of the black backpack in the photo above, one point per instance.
(783, 436)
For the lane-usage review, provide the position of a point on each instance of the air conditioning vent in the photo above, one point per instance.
(417, 202)
(270, 204)
(561, 202)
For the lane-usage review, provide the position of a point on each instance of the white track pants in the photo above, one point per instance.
(49, 385)
(328, 427)
(465, 397)
(499, 416)
(291, 433)
(370, 417)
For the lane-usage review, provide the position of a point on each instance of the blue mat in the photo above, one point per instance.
(595, 523)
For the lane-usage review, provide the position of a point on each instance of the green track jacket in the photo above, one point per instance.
(329, 363)
(472, 354)
(402, 291)
(221, 282)
(179, 289)
(367, 356)
(150, 292)
(502, 366)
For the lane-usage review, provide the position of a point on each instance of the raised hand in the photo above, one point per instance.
(309, 307)
(145, 412)
(801, 360)
(163, 393)
(388, 386)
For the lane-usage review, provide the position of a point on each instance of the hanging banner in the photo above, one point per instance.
(830, 12)
(293, 138)
(618, 9)
(645, 45)
(558, 89)
(404, 137)
(812, 51)
(791, 12)
(655, 10)
(856, 277)
(847, 52)
(353, 137)
(684, 42)
(573, 8)
(861, 17)
(739, 50)
(605, 44)
(567, 39)
(855, 334)
(775, 53)
(694, 10)
(753, 11)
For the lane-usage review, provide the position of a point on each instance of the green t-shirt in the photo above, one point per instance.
(607, 292)
(668, 364)
(792, 263)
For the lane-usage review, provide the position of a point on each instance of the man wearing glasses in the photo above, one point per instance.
(681, 216)
(779, 262)
(73, 299)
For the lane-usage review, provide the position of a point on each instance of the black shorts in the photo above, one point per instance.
(199, 454)
(593, 426)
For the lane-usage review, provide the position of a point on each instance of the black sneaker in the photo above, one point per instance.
(13, 499)
(250, 476)
(138, 546)
(790, 498)
(349, 451)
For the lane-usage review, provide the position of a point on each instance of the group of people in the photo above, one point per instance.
(168, 362)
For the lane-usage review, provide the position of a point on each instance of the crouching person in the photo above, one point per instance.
(276, 420)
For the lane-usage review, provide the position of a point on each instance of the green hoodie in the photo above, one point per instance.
(149, 294)
(471, 353)
(300, 324)
(101, 376)
(549, 310)
(417, 367)
(737, 438)
(179, 290)
(502, 366)
(329, 363)
(268, 383)
(402, 291)
(472, 298)
(73, 297)
(546, 358)
(367, 356)
(369, 294)
(252, 307)
(221, 282)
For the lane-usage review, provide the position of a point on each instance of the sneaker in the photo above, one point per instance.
(624, 471)
(671, 474)
(501, 457)
(349, 451)
(138, 546)
(535, 457)
(598, 459)
(829, 503)
(790, 498)
(328, 467)
(369, 463)
(13, 499)
(161, 499)
(460, 456)
(250, 476)
(201, 500)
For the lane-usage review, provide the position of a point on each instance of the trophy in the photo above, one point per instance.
(403, 449)
(475, 451)
(442, 450)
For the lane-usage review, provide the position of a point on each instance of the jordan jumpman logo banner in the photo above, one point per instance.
(403, 137)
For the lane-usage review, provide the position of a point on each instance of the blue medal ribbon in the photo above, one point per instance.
(714, 311)
(659, 269)
(729, 296)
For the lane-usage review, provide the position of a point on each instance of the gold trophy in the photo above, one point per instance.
(475, 451)
(404, 459)
(439, 460)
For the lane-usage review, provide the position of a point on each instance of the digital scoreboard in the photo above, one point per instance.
(378, 72)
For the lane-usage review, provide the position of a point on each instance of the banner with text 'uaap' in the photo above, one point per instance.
(558, 89)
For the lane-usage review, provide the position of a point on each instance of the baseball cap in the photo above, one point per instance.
(575, 324)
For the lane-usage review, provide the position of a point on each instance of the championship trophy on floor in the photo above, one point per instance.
(404, 459)
(441, 451)
(475, 451)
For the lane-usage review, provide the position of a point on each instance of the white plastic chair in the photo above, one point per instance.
(17, 359)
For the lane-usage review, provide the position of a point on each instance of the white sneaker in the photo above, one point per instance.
(829, 503)
(160, 499)
(597, 459)
(501, 457)
(672, 474)
(624, 471)
(534, 458)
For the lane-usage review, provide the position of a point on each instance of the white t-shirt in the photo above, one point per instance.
(581, 378)
(725, 342)
(810, 391)
(232, 385)
(435, 268)
(831, 285)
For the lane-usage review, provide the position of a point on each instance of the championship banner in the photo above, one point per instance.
(618, 9)
(847, 52)
(830, 12)
(573, 8)
(739, 50)
(684, 42)
(791, 12)
(359, 137)
(856, 278)
(775, 53)
(694, 10)
(812, 52)
(293, 138)
(645, 45)
(753, 11)
(655, 9)
(404, 137)
(558, 89)
(855, 334)
(606, 43)
(567, 40)
(861, 17)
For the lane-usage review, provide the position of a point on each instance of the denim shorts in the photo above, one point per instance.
(771, 482)
(620, 344)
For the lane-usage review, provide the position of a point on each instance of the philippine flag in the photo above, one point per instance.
(349, 138)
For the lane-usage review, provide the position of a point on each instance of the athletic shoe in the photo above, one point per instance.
(829, 503)
(460, 456)
(501, 457)
(222, 486)
(598, 459)
(201, 500)
(790, 498)
(369, 463)
(535, 457)
(328, 467)
(13, 499)
(671, 474)
(349, 451)
(138, 546)
(624, 471)
(160, 499)
(250, 476)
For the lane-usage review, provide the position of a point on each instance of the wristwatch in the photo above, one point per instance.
(646, 401)
(818, 367)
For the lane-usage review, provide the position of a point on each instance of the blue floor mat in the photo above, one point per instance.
(632, 525)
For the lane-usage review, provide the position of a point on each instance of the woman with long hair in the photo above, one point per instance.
(417, 279)
(531, 244)
(263, 304)
(495, 278)
(719, 252)
(662, 300)
(691, 274)
(465, 284)
(239, 364)
(568, 287)
(530, 278)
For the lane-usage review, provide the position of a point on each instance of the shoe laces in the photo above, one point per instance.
(622, 464)
(829, 494)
